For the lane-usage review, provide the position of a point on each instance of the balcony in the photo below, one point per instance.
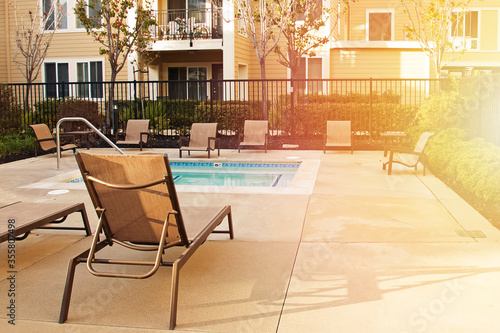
(183, 24)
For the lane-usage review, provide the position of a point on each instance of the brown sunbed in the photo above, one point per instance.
(407, 156)
(136, 201)
(46, 141)
(202, 137)
(23, 217)
(338, 135)
(255, 133)
(137, 133)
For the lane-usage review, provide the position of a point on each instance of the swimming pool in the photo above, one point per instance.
(234, 173)
(230, 174)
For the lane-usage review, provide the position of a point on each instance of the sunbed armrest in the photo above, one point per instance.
(183, 138)
(401, 150)
(148, 135)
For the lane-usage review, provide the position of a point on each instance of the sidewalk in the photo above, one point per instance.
(346, 249)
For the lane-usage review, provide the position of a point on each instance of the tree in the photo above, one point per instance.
(302, 39)
(436, 24)
(34, 34)
(260, 23)
(106, 22)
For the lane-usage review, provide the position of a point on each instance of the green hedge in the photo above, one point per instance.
(470, 167)
(16, 143)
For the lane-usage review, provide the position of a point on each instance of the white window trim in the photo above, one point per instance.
(379, 10)
(71, 17)
(458, 41)
(72, 68)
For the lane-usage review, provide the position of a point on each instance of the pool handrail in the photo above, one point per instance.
(92, 127)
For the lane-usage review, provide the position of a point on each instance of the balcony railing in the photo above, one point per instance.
(189, 24)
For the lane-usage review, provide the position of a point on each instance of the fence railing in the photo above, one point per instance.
(296, 110)
(177, 24)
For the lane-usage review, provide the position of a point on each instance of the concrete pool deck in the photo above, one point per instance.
(347, 249)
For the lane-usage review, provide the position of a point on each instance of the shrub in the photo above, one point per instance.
(10, 113)
(78, 108)
(16, 143)
(468, 166)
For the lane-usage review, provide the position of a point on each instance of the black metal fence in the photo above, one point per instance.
(297, 111)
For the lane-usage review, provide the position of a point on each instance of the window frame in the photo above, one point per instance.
(304, 87)
(463, 39)
(73, 88)
(391, 11)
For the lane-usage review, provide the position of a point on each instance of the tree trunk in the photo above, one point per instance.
(109, 111)
(264, 88)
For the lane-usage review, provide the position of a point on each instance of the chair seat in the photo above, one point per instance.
(68, 146)
(194, 148)
(338, 145)
(195, 219)
(253, 143)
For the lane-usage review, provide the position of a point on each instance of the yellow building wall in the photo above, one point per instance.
(5, 41)
(63, 47)
(489, 30)
(377, 63)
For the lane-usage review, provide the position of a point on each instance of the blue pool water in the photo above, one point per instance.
(230, 174)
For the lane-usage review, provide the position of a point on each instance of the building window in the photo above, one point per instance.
(465, 28)
(380, 25)
(56, 74)
(92, 12)
(311, 69)
(89, 72)
(60, 12)
(184, 89)
(197, 90)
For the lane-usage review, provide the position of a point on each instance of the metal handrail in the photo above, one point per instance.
(92, 127)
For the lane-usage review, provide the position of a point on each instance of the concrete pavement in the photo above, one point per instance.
(345, 248)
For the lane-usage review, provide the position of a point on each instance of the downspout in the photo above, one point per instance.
(7, 41)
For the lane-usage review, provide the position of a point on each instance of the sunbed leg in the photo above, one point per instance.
(174, 296)
(67, 290)
(230, 223)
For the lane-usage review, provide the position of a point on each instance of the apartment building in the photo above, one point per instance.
(376, 45)
(201, 39)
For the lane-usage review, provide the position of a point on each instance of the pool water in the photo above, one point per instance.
(233, 174)
(230, 174)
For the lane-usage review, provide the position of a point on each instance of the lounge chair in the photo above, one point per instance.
(202, 137)
(29, 216)
(255, 133)
(137, 205)
(137, 133)
(338, 135)
(46, 141)
(407, 156)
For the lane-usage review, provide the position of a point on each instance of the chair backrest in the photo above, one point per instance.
(422, 142)
(134, 129)
(134, 215)
(338, 132)
(42, 132)
(200, 132)
(255, 131)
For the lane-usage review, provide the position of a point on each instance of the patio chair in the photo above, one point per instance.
(255, 133)
(137, 129)
(202, 137)
(137, 205)
(31, 216)
(338, 135)
(407, 156)
(46, 141)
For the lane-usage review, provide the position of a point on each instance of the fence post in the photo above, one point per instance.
(370, 112)
(211, 101)
(292, 116)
